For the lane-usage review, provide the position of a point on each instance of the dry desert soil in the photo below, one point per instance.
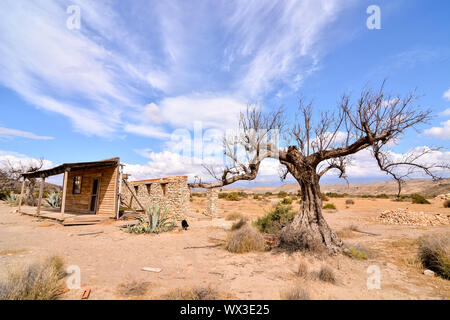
(111, 262)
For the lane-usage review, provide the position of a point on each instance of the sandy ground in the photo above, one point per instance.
(113, 258)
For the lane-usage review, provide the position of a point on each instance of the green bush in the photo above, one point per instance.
(356, 254)
(382, 196)
(336, 195)
(256, 196)
(282, 194)
(268, 193)
(286, 201)
(329, 206)
(233, 196)
(54, 199)
(418, 199)
(4, 194)
(12, 199)
(276, 219)
(324, 197)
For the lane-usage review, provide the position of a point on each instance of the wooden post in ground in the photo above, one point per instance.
(41, 191)
(64, 193)
(21, 193)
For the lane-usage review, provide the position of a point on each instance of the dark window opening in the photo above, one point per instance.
(164, 188)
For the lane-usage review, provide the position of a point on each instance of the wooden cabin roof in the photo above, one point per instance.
(71, 166)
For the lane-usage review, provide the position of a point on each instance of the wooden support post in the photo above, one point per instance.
(119, 189)
(41, 191)
(132, 193)
(21, 193)
(64, 193)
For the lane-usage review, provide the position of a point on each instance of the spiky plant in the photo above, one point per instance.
(12, 199)
(153, 221)
(54, 199)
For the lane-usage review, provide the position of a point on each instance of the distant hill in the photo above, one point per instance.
(425, 187)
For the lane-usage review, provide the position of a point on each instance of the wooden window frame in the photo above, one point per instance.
(74, 184)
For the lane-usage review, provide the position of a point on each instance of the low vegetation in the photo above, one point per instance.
(326, 274)
(239, 224)
(329, 206)
(233, 216)
(282, 194)
(276, 219)
(295, 293)
(38, 281)
(434, 254)
(153, 221)
(54, 199)
(347, 232)
(447, 203)
(12, 199)
(418, 199)
(302, 270)
(324, 197)
(336, 195)
(245, 239)
(231, 196)
(133, 288)
(349, 201)
(194, 293)
(356, 253)
(286, 201)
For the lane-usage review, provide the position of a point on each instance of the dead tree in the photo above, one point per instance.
(10, 174)
(375, 121)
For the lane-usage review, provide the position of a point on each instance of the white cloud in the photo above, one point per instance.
(440, 132)
(447, 95)
(6, 132)
(445, 113)
(16, 159)
(146, 130)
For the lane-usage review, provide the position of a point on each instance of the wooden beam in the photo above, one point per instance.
(119, 189)
(21, 193)
(132, 193)
(64, 193)
(41, 191)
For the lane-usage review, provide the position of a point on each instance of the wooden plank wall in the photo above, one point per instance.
(107, 201)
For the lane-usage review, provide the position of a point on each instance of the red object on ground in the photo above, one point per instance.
(86, 294)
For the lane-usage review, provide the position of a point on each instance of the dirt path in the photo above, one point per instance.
(114, 257)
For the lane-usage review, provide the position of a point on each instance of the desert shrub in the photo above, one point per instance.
(232, 196)
(357, 253)
(239, 224)
(365, 196)
(286, 201)
(198, 194)
(268, 193)
(295, 293)
(434, 253)
(153, 221)
(222, 195)
(133, 288)
(347, 232)
(329, 206)
(38, 281)
(256, 196)
(336, 195)
(302, 270)
(447, 203)
(294, 197)
(349, 201)
(276, 219)
(12, 199)
(324, 197)
(242, 194)
(245, 239)
(233, 216)
(54, 199)
(418, 199)
(382, 196)
(195, 293)
(4, 194)
(282, 194)
(326, 274)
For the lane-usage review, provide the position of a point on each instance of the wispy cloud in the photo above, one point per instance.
(447, 95)
(8, 133)
(442, 132)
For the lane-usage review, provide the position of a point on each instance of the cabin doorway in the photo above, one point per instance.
(94, 196)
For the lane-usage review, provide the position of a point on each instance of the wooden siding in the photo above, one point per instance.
(107, 200)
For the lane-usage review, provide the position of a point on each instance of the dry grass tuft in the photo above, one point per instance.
(133, 288)
(295, 293)
(234, 216)
(357, 252)
(348, 232)
(434, 253)
(239, 224)
(38, 281)
(326, 274)
(349, 201)
(245, 239)
(302, 270)
(195, 293)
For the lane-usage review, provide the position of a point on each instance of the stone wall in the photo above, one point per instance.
(172, 193)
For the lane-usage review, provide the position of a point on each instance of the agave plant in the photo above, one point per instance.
(54, 199)
(153, 221)
(12, 199)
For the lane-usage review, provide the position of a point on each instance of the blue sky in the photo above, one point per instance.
(136, 71)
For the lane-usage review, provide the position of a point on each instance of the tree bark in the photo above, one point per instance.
(309, 230)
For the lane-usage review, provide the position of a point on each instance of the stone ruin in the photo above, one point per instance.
(212, 196)
(170, 193)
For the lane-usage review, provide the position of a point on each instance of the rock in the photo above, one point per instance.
(406, 217)
(428, 272)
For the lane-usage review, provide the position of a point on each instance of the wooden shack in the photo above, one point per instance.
(91, 188)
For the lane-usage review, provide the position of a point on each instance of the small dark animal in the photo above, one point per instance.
(184, 224)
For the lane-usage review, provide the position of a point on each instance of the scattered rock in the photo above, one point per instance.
(428, 272)
(406, 217)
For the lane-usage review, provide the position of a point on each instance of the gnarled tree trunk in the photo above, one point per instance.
(309, 229)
